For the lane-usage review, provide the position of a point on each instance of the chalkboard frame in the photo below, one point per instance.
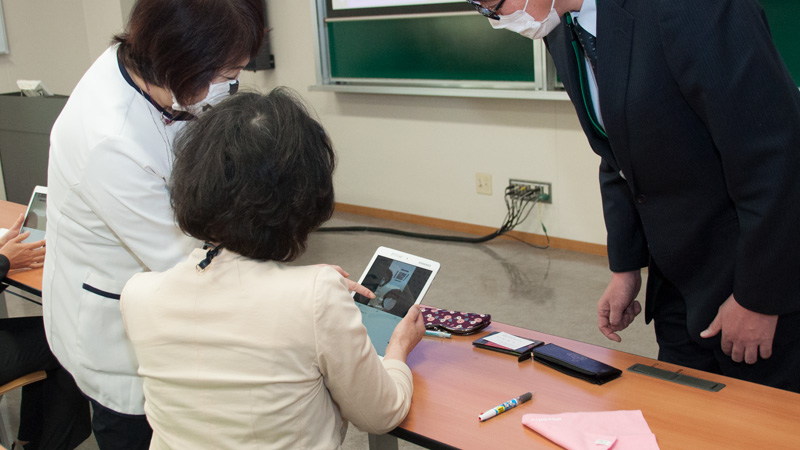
(3, 37)
(540, 88)
(396, 10)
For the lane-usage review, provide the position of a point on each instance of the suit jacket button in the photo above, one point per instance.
(641, 199)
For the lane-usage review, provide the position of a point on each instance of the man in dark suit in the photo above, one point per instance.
(697, 121)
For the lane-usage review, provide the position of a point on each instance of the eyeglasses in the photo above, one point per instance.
(490, 13)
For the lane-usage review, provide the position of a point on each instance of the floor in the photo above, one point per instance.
(552, 291)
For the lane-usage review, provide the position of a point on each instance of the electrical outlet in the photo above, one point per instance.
(531, 190)
(483, 183)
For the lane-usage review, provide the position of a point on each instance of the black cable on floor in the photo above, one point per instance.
(518, 208)
(433, 237)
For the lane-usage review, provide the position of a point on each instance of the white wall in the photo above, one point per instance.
(411, 154)
(55, 41)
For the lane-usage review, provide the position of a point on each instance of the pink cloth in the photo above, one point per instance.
(607, 430)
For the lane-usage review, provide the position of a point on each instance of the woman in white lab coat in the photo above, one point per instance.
(108, 207)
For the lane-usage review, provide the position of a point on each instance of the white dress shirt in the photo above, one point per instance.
(587, 18)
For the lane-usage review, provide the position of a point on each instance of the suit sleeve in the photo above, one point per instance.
(5, 266)
(372, 394)
(627, 246)
(722, 55)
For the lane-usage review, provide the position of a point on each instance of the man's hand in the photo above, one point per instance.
(745, 334)
(617, 308)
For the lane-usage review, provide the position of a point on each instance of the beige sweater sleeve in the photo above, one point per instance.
(373, 395)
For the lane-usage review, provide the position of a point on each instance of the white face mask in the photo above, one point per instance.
(523, 23)
(216, 93)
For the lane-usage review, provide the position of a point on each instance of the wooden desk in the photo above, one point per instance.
(28, 280)
(454, 382)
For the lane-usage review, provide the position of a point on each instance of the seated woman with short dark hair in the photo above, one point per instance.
(236, 348)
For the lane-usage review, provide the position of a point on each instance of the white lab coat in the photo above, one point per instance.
(109, 217)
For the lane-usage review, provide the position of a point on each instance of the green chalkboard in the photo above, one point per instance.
(446, 47)
(782, 16)
(465, 47)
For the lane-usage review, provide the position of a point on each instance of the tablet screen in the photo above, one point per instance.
(397, 286)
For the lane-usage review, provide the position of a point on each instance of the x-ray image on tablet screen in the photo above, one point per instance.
(399, 280)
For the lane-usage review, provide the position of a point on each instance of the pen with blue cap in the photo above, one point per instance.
(514, 402)
(440, 334)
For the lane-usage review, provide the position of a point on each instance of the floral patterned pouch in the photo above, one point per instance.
(455, 322)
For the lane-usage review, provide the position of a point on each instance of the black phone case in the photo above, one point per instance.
(522, 354)
(575, 364)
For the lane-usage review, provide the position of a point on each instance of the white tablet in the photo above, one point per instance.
(35, 218)
(399, 280)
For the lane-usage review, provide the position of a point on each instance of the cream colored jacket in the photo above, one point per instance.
(254, 354)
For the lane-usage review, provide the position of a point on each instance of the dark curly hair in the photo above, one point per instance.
(254, 174)
(181, 45)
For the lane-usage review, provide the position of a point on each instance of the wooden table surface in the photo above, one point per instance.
(455, 381)
(29, 280)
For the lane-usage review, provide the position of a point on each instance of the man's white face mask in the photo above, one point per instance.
(523, 23)
(216, 93)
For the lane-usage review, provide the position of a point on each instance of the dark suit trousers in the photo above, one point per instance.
(54, 414)
(677, 346)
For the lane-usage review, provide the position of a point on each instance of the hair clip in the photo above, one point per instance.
(210, 254)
